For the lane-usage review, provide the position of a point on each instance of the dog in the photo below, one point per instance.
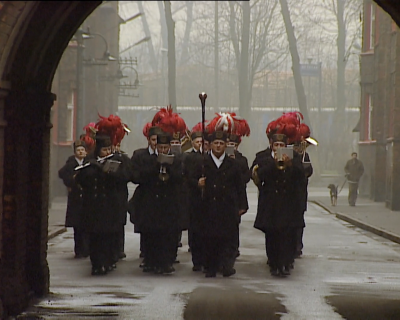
(333, 191)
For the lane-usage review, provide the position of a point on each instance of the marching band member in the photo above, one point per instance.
(280, 182)
(224, 200)
(74, 206)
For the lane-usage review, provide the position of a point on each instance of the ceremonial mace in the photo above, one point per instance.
(203, 97)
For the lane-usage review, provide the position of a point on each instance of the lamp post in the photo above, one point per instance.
(80, 123)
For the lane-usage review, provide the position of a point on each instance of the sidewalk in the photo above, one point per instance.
(367, 214)
(57, 210)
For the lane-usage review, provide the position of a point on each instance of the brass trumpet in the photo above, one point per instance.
(279, 162)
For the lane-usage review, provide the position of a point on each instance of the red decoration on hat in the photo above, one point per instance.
(287, 124)
(230, 123)
(146, 129)
(90, 134)
(199, 127)
(113, 127)
(169, 121)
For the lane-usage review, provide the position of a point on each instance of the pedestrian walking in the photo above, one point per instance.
(354, 169)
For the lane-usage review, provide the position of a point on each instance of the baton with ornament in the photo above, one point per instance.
(203, 97)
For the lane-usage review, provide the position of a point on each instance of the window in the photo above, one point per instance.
(372, 26)
(368, 117)
(69, 125)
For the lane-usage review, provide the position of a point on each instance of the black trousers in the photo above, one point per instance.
(102, 249)
(219, 252)
(353, 192)
(81, 240)
(161, 248)
(121, 239)
(299, 240)
(280, 246)
(196, 242)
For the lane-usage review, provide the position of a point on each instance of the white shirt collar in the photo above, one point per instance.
(80, 162)
(151, 151)
(217, 161)
(272, 154)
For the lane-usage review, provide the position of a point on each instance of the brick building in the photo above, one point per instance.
(98, 86)
(380, 107)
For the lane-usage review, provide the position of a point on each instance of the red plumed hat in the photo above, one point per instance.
(229, 122)
(112, 127)
(199, 127)
(304, 131)
(170, 122)
(90, 134)
(146, 129)
(287, 124)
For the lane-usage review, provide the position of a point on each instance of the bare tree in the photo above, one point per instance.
(171, 55)
(186, 37)
(153, 59)
(301, 96)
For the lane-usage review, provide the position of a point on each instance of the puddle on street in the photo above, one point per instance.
(357, 307)
(233, 304)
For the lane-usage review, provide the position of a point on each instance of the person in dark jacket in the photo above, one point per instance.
(279, 209)
(138, 165)
(354, 169)
(234, 141)
(101, 204)
(224, 200)
(159, 219)
(123, 192)
(74, 205)
(193, 160)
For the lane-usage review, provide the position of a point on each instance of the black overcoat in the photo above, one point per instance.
(224, 196)
(244, 167)
(193, 160)
(280, 198)
(157, 203)
(74, 204)
(122, 184)
(101, 200)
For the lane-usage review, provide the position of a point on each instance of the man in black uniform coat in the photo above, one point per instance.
(159, 218)
(101, 205)
(279, 204)
(299, 146)
(138, 161)
(74, 206)
(234, 141)
(194, 159)
(224, 200)
(123, 192)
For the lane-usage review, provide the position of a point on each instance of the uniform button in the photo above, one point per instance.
(284, 180)
(223, 187)
(156, 195)
(214, 199)
(276, 191)
(215, 185)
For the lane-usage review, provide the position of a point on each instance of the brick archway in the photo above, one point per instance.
(33, 36)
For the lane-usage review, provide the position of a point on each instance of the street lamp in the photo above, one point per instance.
(106, 55)
(145, 39)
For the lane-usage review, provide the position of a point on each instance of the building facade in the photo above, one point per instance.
(380, 107)
(97, 84)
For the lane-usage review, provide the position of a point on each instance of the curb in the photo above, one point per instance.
(380, 232)
(56, 232)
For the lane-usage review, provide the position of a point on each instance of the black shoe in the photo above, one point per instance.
(141, 255)
(197, 268)
(168, 270)
(111, 267)
(228, 272)
(283, 272)
(99, 271)
(189, 250)
(238, 254)
(177, 261)
(158, 270)
(148, 269)
(143, 264)
(274, 272)
(122, 255)
(298, 254)
(180, 245)
(211, 274)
